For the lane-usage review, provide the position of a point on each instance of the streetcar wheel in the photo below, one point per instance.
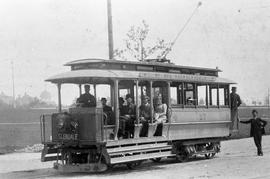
(182, 156)
(132, 165)
(156, 159)
(209, 155)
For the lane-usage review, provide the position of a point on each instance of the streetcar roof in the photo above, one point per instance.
(148, 62)
(105, 76)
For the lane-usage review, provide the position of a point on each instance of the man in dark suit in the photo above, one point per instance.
(145, 116)
(235, 103)
(129, 112)
(108, 111)
(256, 130)
(86, 99)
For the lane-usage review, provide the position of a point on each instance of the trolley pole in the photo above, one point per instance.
(110, 29)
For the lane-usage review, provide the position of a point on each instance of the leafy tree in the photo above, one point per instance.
(135, 44)
(45, 96)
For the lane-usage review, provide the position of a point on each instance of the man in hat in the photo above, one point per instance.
(129, 112)
(107, 110)
(235, 103)
(256, 130)
(86, 99)
(145, 116)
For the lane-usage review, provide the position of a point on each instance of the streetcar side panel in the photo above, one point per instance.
(195, 123)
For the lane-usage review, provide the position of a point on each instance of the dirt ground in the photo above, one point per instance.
(237, 159)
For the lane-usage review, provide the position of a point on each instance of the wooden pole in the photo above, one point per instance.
(116, 105)
(218, 95)
(206, 96)
(137, 102)
(80, 89)
(110, 29)
(169, 100)
(151, 101)
(59, 97)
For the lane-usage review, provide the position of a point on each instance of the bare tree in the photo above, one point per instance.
(135, 44)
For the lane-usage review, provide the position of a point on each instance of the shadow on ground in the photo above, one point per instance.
(113, 171)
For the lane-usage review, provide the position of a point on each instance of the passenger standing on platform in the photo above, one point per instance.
(160, 115)
(86, 99)
(235, 103)
(145, 116)
(256, 130)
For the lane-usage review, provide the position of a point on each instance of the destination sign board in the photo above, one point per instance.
(182, 77)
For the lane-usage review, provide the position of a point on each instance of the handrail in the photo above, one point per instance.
(41, 128)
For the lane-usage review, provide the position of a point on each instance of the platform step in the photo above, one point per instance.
(138, 148)
(48, 150)
(51, 151)
(136, 141)
(49, 158)
(143, 156)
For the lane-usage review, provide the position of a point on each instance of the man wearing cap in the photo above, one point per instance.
(235, 103)
(129, 111)
(256, 130)
(86, 99)
(107, 110)
(145, 116)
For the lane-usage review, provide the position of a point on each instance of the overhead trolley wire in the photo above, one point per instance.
(166, 52)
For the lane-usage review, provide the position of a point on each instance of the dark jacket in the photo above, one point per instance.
(87, 100)
(110, 117)
(235, 101)
(129, 110)
(257, 126)
(145, 111)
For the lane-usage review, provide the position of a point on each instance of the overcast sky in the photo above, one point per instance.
(39, 36)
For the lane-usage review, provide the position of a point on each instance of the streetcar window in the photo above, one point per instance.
(70, 93)
(189, 92)
(201, 93)
(213, 101)
(160, 87)
(213, 95)
(223, 95)
(144, 90)
(126, 87)
(103, 91)
(176, 93)
(173, 92)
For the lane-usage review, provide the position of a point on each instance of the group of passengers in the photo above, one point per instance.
(128, 116)
(127, 111)
(160, 115)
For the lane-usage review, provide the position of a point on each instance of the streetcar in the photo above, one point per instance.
(86, 139)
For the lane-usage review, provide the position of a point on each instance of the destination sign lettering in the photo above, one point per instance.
(184, 77)
(68, 136)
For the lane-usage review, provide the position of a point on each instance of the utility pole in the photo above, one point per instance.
(110, 29)
(13, 85)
